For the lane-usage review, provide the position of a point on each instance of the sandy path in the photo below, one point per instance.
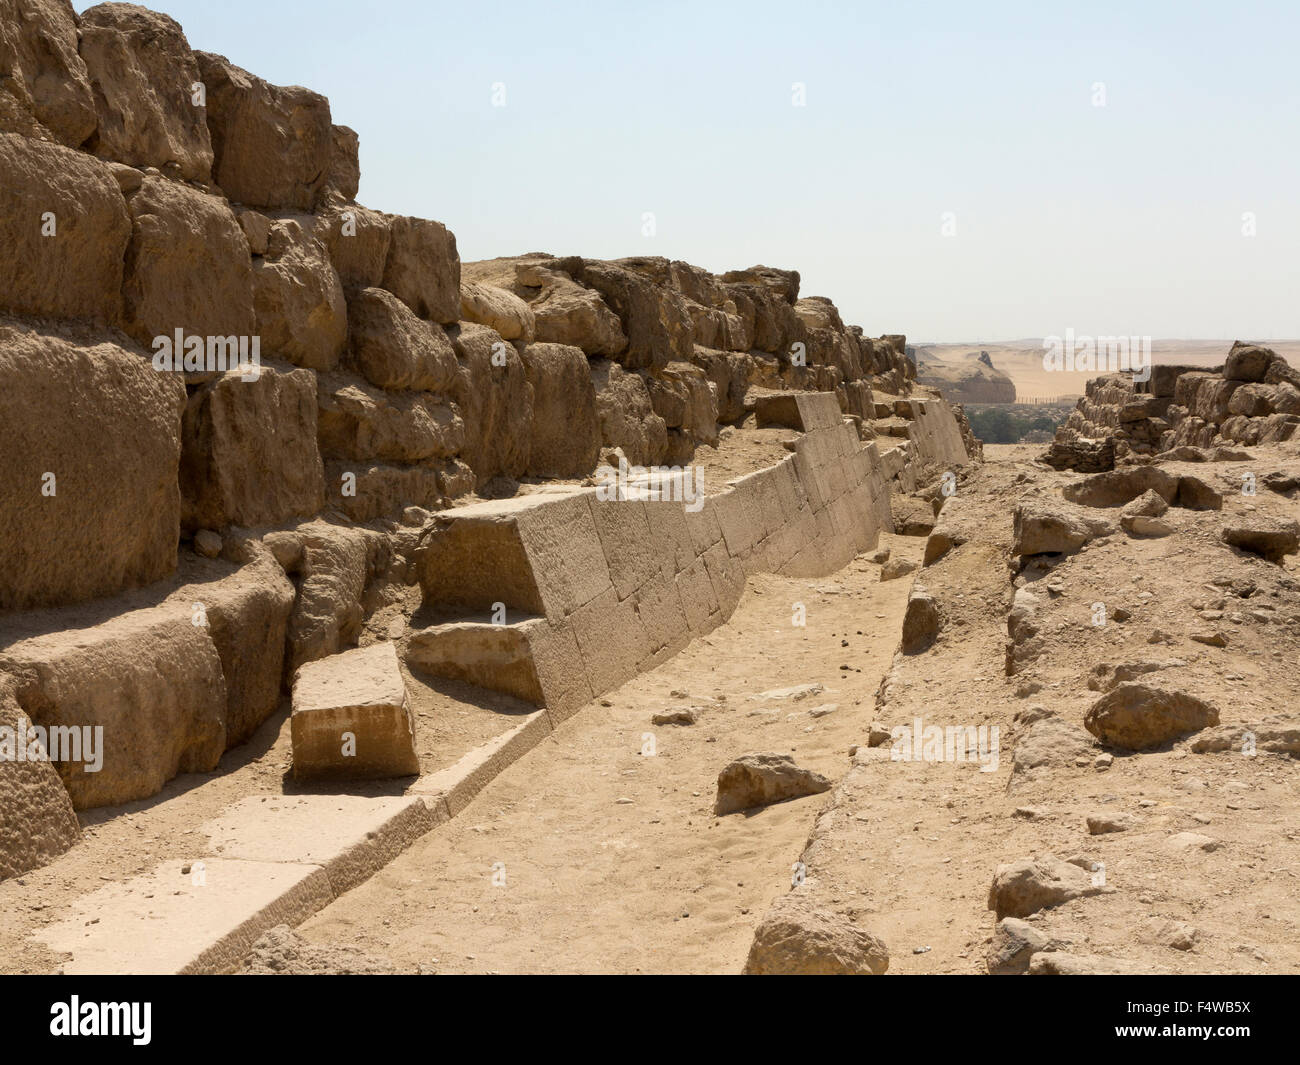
(613, 861)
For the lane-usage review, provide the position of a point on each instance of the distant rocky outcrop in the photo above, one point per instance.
(972, 380)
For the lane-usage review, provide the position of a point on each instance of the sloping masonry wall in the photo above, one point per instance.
(178, 535)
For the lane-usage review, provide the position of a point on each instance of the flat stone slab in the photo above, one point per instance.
(203, 921)
(351, 717)
(351, 837)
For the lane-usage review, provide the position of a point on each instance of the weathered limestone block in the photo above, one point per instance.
(333, 564)
(656, 321)
(271, 144)
(627, 417)
(44, 88)
(64, 230)
(248, 618)
(298, 299)
(143, 72)
(495, 400)
(393, 348)
(357, 239)
(358, 422)
(566, 428)
(376, 489)
(37, 822)
(90, 435)
(187, 266)
(566, 312)
(150, 678)
(488, 655)
(423, 268)
(352, 718)
(250, 454)
(681, 395)
(540, 554)
(501, 310)
(344, 176)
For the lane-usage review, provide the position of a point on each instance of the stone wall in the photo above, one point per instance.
(1253, 398)
(236, 406)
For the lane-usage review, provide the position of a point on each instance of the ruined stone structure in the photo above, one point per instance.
(238, 410)
(1252, 399)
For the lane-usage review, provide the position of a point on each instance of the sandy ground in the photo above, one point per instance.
(612, 860)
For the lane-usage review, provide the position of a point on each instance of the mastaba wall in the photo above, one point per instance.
(178, 535)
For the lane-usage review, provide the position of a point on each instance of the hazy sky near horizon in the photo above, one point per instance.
(1118, 219)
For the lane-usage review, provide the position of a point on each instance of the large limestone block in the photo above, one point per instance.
(64, 231)
(538, 553)
(358, 422)
(681, 395)
(357, 239)
(393, 348)
(151, 679)
(483, 653)
(37, 822)
(625, 536)
(248, 617)
(272, 144)
(352, 718)
(143, 72)
(298, 299)
(501, 310)
(90, 435)
(44, 90)
(528, 658)
(423, 268)
(612, 639)
(187, 266)
(496, 400)
(627, 417)
(566, 312)
(656, 320)
(333, 564)
(364, 489)
(566, 428)
(250, 455)
(344, 176)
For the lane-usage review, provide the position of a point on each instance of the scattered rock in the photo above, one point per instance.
(762, 779)
(898, 567)
(1026, 886)
(1136, 717)
(798, 938)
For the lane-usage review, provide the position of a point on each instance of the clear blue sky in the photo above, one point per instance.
(1118, 219)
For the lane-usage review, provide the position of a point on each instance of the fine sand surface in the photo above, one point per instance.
(613, 860)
